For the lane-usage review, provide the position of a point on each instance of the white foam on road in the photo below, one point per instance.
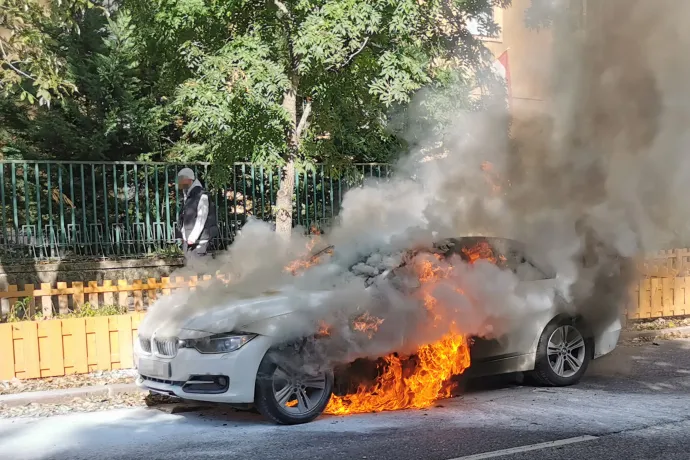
(528, 448)
(127, 433)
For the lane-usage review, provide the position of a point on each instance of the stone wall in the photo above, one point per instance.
(85, 271)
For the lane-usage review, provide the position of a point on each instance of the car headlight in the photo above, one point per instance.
(221, 343)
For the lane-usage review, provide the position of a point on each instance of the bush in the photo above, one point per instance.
(20, 311)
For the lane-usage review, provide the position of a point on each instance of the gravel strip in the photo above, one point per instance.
(69, 381)
(86, 404)
(660, 323)
(655, 339)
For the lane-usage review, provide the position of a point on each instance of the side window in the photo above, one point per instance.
(526, 271)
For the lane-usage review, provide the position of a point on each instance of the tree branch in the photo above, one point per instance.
(366, 40)
(7, 61)
(281, 6)
(303, 120)
(289, 27)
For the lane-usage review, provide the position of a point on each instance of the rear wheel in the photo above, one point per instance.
(290, 392)
(563, 355)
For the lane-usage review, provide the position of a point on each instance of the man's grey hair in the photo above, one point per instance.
(186, 173)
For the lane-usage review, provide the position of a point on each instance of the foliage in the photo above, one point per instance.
(351, 64)
(191, 80)
(20, 311)
(31, 66)
(109, 118)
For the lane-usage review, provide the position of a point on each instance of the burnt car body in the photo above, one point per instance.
(553, 344)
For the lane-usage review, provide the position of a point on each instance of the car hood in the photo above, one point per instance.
(263, 314)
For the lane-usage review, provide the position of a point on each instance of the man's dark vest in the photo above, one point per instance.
(188, 213)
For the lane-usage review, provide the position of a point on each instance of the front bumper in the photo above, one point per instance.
(240, 367)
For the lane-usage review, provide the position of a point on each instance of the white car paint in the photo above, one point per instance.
(240, 366)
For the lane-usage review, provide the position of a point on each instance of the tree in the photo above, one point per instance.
(290, 81)
(109, 115)
(31, 65)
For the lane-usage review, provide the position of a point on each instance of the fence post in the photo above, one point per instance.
(151, 293)
(108, 297)
(77, 294)
(138, 295)
(7, 347)
(93, 294)
(32, 300)
(123, 294)
(63, 301)
(12, 300)
(46, 300)
(165, 283)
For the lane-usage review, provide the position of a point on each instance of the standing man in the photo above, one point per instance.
(197, 221)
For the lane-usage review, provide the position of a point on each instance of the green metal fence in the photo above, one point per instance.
(57, 209)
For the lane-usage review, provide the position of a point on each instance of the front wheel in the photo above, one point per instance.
(563, 355)
(290, 393)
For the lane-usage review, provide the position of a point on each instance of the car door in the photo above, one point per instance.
(536, 284)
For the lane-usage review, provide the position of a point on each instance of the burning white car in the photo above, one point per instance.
(284, 380)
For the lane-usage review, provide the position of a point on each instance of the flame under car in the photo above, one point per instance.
(288, 384)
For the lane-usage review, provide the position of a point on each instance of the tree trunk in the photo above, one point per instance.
(284, 199)
(287, 176)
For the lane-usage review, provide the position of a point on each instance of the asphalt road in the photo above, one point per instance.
(633, 404)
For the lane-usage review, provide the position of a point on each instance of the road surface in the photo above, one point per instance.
(633, 404)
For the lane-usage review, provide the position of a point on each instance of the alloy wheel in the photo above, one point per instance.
(297, 392)
(566, 351)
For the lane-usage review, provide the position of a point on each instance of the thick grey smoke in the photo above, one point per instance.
(587, 183)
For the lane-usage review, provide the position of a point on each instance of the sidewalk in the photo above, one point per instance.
(67, 394)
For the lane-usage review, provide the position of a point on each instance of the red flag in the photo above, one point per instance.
(504, 63)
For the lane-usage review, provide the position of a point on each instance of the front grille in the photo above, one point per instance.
(166, 347)
(167, 382)
(145, 344)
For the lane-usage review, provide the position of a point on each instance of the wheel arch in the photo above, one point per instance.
(577, 320)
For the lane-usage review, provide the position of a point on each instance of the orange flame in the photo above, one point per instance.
(306, 261)
(430, 380)
(438, 362)
(367, 323)
(324, 329)
(492, 177)
(482, 251)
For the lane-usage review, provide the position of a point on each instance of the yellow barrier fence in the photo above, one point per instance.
(650, 297)
(32, 349)
(660, 297)
(137, 296)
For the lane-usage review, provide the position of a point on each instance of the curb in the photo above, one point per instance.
(56, 396)
(655, 333)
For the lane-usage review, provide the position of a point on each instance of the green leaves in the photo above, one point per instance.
(208, 79)
(233, 107)
(28, 55)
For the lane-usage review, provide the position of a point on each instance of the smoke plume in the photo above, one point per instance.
(587, 182)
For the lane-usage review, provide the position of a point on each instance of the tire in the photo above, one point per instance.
(286, 393)
(556, 361)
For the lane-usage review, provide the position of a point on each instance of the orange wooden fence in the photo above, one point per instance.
(650, 297)
(31, 349)
(669, 263)
(138, 295)
(660, 297)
